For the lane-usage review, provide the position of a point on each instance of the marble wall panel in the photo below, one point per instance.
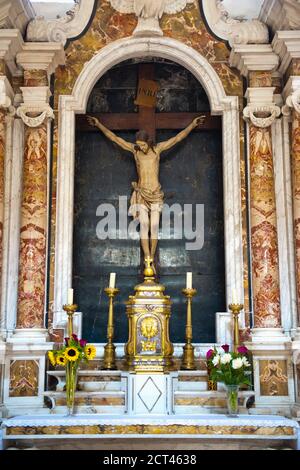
(260, 79)
(35, 77)
(31, 296)
(273, 377)
(264, 231)
(23, 380)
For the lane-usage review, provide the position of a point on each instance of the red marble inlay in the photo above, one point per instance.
(33, 230)
(264, 231)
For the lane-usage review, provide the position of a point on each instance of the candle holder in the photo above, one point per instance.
(188, 361)
(70, 309)
(236, 310)
(109, 348)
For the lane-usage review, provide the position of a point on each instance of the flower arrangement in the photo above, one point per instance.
(74, 350)
(70, 355)
(231, 368)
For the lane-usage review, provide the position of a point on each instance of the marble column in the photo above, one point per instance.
(33, 232)
(264, 244)
(33, 229)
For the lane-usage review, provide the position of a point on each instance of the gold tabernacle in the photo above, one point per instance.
(149, 348)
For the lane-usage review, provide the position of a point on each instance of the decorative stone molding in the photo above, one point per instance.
(234, 30)
(35, 102)
(41, 56)
(261, 110)
(149, 13)
(11, 42)
(261, 116)
(64, 28)
(293, 101)
(281, 14)
(287, 45)
(15, 14)
(247, 58)
(291, 96)
(6, 94)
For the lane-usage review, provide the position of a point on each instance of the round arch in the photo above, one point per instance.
(220, 103)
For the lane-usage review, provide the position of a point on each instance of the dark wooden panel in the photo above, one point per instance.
(126, 121)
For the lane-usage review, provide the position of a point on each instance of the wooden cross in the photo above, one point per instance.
(147, 119)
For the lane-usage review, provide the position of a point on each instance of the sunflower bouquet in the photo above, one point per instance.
(69, 356)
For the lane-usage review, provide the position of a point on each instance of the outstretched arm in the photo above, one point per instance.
(110, 135)
(162, 146)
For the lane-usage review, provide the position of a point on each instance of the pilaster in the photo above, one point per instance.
(27, 345)
(270, 346)
(287, 45)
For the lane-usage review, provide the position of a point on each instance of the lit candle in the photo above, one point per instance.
(189, 280)
(70, 296)
(112, 280)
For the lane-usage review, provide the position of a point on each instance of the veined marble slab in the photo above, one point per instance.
(200, 427)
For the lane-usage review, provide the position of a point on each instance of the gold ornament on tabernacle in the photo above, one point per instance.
(149, 348)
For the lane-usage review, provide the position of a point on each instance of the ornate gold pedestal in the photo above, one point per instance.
(149, 348)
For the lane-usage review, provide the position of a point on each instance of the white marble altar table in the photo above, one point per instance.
(200, 427)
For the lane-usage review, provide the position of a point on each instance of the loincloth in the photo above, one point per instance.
(150, 200)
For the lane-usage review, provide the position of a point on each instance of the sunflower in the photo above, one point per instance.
(90, 351)
(51, 357)
(71, 354)
(61, 360)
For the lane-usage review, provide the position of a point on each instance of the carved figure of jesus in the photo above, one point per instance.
(147, 198)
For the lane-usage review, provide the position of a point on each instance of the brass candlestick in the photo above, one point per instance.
(70, 310)
(109, 349)
(236, 310)
(188, 362)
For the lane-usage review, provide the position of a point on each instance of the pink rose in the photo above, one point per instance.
(243, 350)
(225, 347)
(75, 337)
(209, 353)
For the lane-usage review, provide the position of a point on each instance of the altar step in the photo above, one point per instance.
(104, 392)
(98, 391)
(191, 395)
(191, 402)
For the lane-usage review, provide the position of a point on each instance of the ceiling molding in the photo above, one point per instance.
(281, 15)
(71, 25)
(15, 14)
(234, 30)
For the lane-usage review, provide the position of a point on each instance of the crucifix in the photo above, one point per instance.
(147, 197)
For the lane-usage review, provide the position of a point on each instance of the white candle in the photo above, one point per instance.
(112, 280)
(189, 280)
(70, 296)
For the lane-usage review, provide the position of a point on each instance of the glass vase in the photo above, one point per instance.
(211, 384)
(71, 383)
(232, 399)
